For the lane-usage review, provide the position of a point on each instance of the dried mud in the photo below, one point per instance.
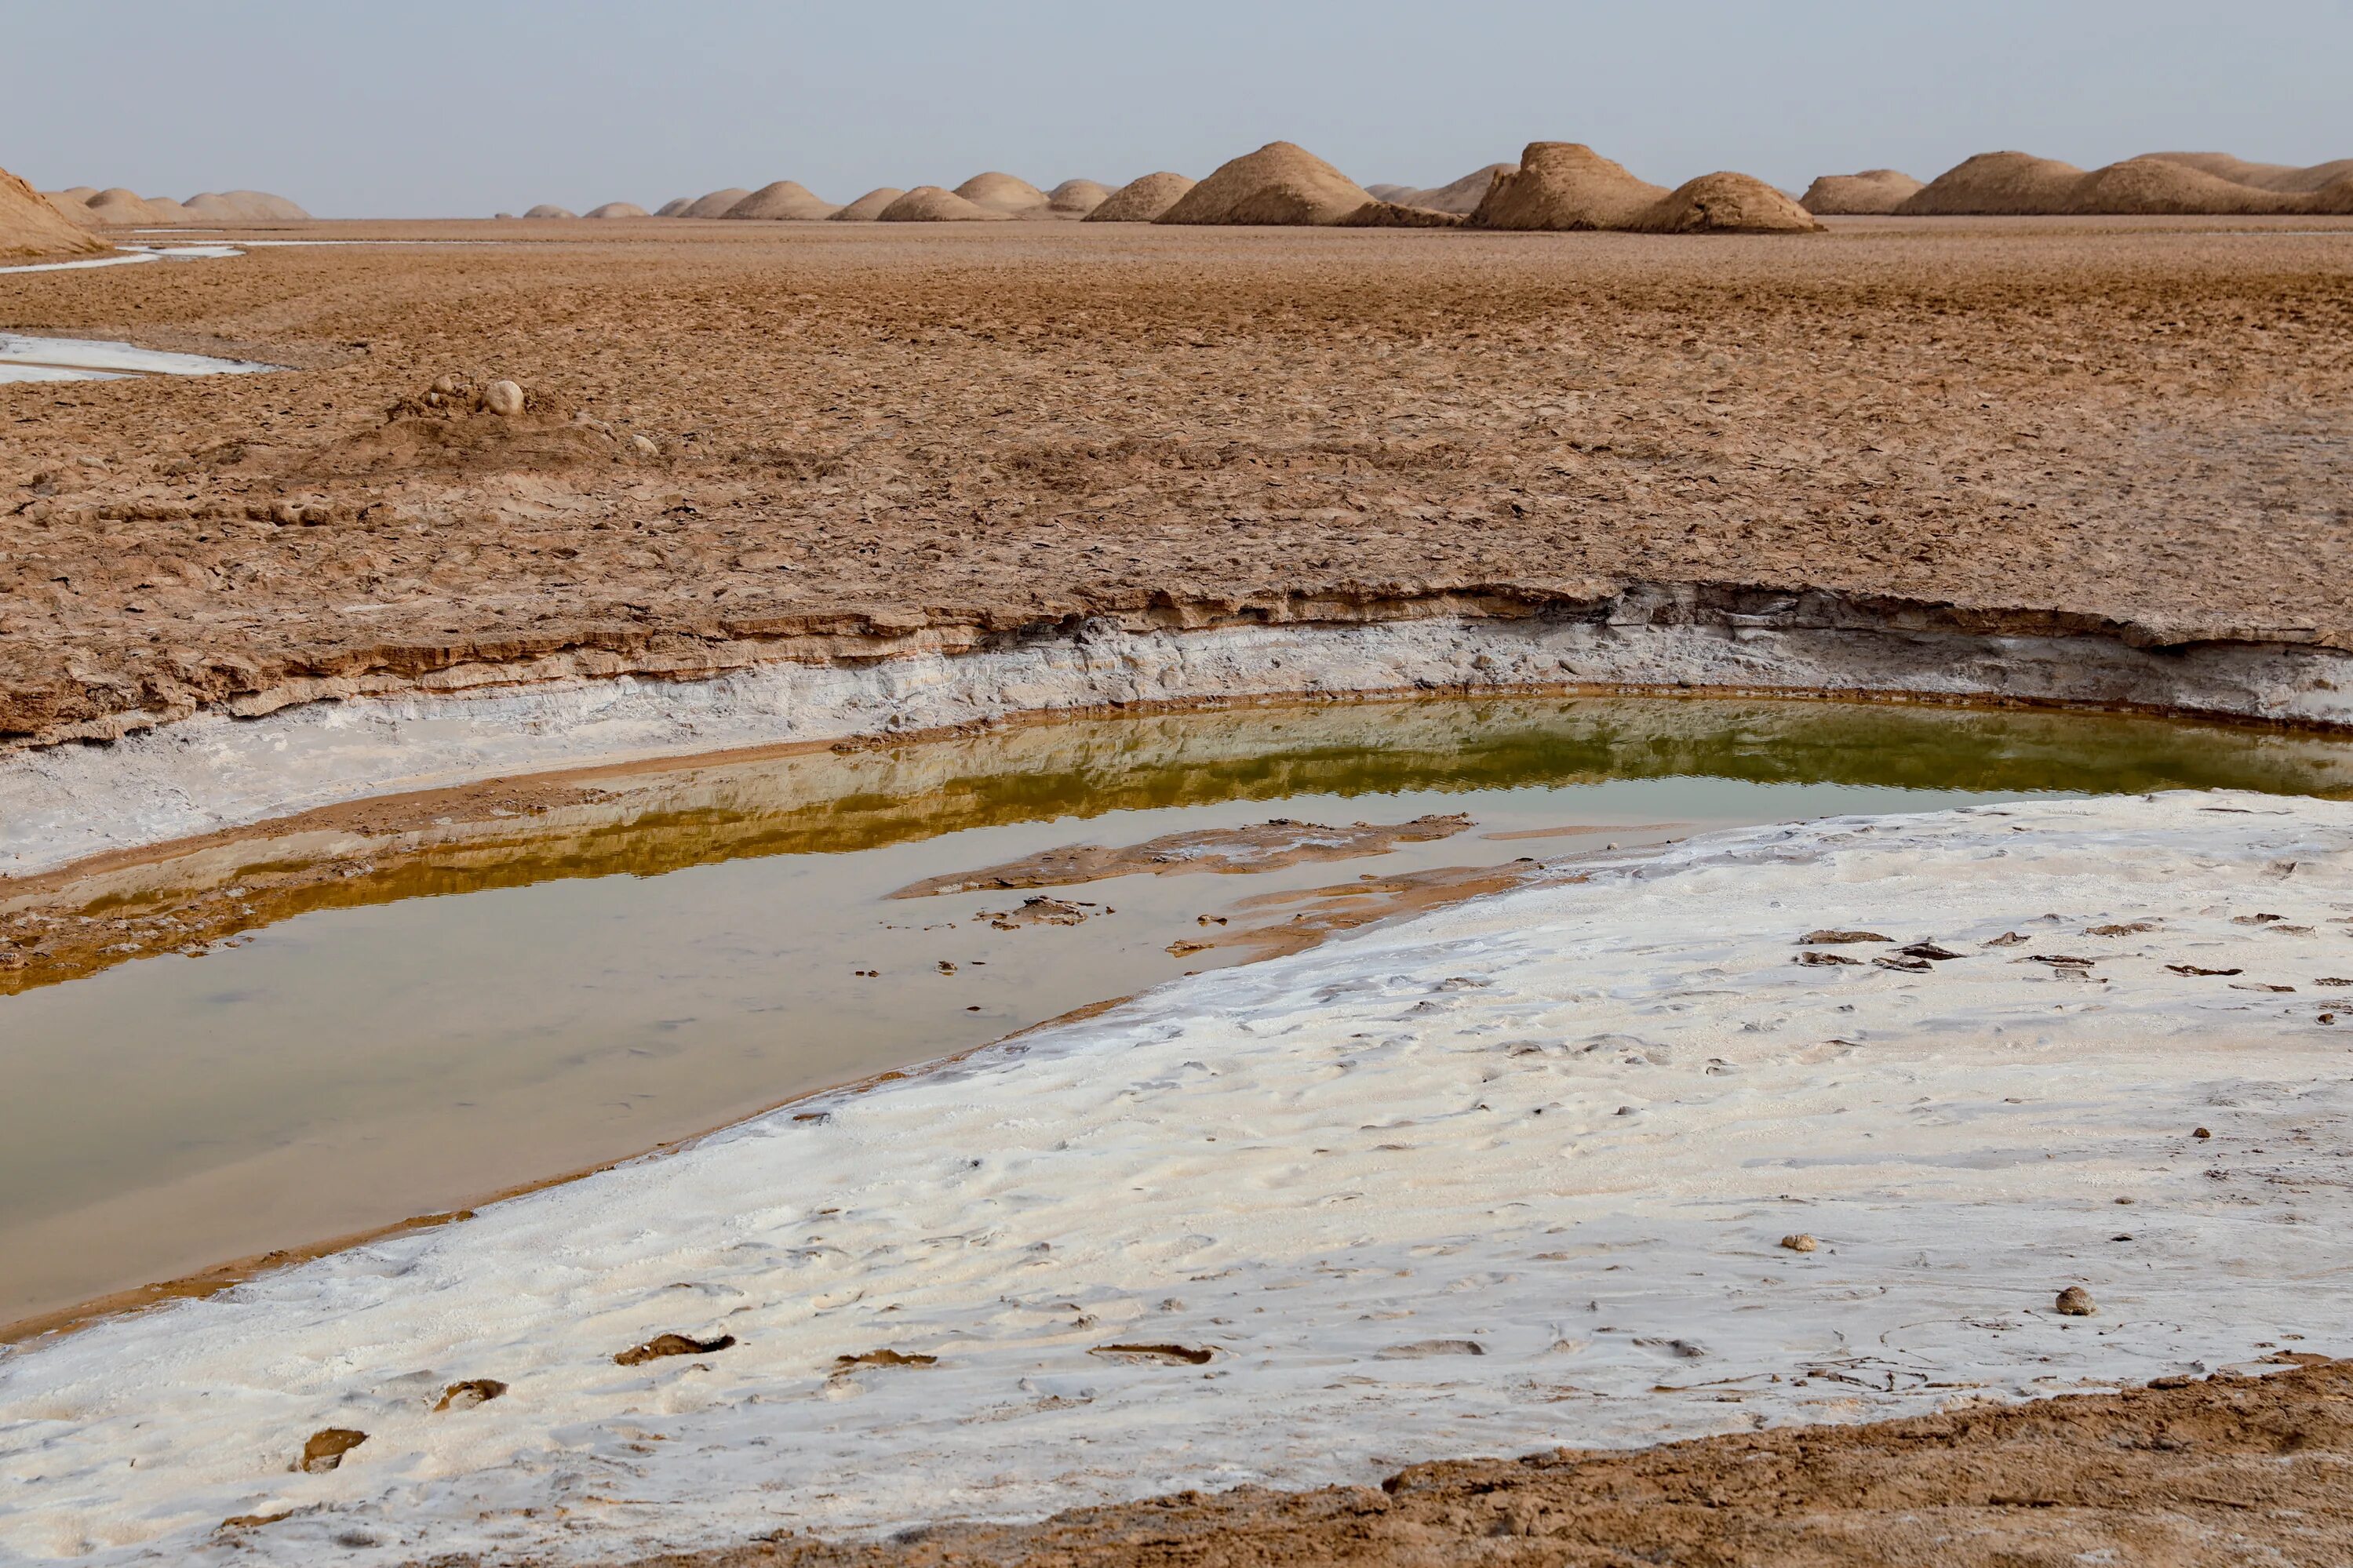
(864, 435)
(2226, 1470)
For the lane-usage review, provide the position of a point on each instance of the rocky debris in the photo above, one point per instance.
(1838, 937)
(472, 1392)
(1824, 958)
(1170, 1354)
(1799, 1242)
(326, 1447)
(1928, 950)
(2075, 1301)
(663, 1345)
(1039, 911)
(881, 1358)
(2200, 969)
(1418, 1350)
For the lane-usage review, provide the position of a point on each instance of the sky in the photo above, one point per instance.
(434, 108)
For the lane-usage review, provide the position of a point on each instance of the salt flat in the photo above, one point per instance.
(1506, 1176)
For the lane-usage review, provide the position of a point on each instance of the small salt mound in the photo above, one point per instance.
(869, 207)
(1001, 193)
(1142, 201)
(1076, 198)
(930, 204)
(616, 209)
(1727, 203)
(718, 204)
(1566, 185)
(1873, 192)
(29, 226)
(674, 208)
(1279, 183)
(549, 209)
(1462, 195)
(785, 201)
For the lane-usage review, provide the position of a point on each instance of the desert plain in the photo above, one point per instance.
(819, 444)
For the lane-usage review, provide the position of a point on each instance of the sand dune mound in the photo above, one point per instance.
(714, 206)
(1279, 183)
(1872, 193)
(1001, 193)
(1142, 201)
(616, 209)
(549, 209)
(1728, 203)
(1077, 199)
(2284, 177)
(2173, 185)
(930, 204)
(783, 201)
(1566, 185)
(871, 207)
(30, 226)
(1462, 195)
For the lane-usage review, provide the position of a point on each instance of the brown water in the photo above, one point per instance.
(388, 1024)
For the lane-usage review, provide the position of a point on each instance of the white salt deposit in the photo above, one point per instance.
(1506, 1176)
(130, 254)
(25, 358)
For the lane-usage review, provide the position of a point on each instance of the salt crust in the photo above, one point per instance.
(63, 804)
(1567, 1126)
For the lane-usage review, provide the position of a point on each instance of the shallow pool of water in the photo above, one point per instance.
(331, 1024)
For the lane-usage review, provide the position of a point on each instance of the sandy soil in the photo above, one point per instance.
(2229, 1470)
(1007, 425)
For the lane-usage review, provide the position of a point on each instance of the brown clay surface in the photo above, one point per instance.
(995, 425)
(2229, 1470)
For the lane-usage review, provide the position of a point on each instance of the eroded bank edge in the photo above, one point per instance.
(341, 739)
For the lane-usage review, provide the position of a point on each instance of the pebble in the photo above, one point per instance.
(2076, 1302)
(504, 398)
(1800, 1242)
(644, 445)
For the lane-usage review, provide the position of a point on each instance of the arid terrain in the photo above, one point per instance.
(2231, 1471)
(743, 432)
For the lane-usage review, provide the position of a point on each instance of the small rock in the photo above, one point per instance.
(504, 399)
(326, 1450)
(1800, 1242)
(2075, 1302)
(671, 1345)
(1815, 956)
(445, 385)
(472, 1392)
(2201, 1132)
(1928, 950)
(645, 445)
(1838, 938)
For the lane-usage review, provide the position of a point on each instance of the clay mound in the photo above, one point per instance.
(1001, 193)
(2151, 185)
(80, 193)
(1996, 182)
(1396, 215)
(118, 206)
(930, 204)
(244, 206)
(1142, 201)
(718, 204)
(71, 208)
(869, 207)
(1872, 193)
(2336, 199)
(1728, 203)
(1462, 195)
(1566, 185)
(166, 210)
(30, 226)
(616, 209)
(1076, 198)
(784, 201)
(2285, 178)
(1279, 183)
(549, 209)
(674, 208)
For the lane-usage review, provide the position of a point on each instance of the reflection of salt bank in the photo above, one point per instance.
(130, 254)
(89, 359)
(1506, 1176)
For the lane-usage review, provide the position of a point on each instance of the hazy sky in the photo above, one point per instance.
(418, 108)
